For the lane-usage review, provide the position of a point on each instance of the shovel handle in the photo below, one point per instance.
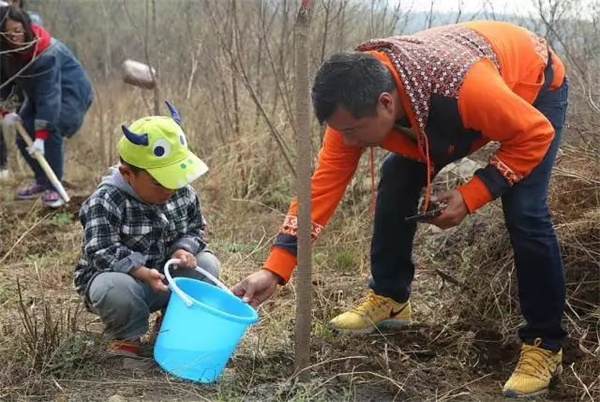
(43, 163)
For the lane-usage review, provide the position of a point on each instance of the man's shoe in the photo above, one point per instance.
(373, 312)
(535, 369)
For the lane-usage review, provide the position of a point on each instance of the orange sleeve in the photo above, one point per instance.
(486, 104)
(336, 165)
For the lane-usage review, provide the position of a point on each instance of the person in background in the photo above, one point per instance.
(35, 18)
(15, 95)
(58, 94)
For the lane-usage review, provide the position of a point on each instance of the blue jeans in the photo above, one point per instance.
(3, 151)
(537, 257)
(70, 121)
(53, 153)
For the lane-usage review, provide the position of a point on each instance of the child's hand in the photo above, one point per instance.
(152, 277)
(188, 260)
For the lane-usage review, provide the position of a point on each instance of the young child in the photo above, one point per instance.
(12, 89)
(141, 215)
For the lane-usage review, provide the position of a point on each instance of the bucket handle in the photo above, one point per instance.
(186, 300)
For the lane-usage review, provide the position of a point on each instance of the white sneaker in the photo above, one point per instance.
(4, 174)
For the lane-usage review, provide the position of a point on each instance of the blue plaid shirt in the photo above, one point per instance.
(122, 232)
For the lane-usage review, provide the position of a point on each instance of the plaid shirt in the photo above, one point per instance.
(122, 233)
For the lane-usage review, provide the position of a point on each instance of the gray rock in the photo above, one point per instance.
(117, 398)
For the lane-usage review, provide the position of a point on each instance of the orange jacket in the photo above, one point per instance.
(494, 103)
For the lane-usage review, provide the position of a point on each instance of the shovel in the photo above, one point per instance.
(42, 161)
(142, 76)
(139, 74)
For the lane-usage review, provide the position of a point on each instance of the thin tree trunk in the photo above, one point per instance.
(151, 38)
(341, 42)
(430, 16)
(259, 89)
(325, 31)
(107, 41)
(155, 42)
(303, 300)
(234, 87)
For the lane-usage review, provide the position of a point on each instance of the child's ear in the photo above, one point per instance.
(125, 172)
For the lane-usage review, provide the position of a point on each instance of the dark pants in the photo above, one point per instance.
(53, 153)
(70, 121)
(536, 250)
(3, 150)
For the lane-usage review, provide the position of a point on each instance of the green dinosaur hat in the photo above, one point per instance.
(158, 145)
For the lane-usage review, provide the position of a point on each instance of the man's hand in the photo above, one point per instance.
(152, 277)
(188, 260)
(258, 287)
(38, 145)
(455, 211)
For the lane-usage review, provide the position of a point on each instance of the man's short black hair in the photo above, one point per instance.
(353, 80)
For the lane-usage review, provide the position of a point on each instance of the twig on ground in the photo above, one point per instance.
(585, 388)
(23, 236)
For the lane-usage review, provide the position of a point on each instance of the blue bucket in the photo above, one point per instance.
(201, 328)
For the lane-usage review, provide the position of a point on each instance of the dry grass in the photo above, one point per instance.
(462, 347)
(483, 274)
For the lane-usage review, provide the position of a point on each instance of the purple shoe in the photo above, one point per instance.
(52, 199)
(31, 192)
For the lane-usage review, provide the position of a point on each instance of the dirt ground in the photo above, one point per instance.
(462, 347)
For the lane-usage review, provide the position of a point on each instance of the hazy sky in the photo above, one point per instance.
(499, 6)
(518, 7)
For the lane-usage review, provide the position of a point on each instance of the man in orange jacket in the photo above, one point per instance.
(432, 98)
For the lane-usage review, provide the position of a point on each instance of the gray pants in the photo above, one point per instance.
(124, 303)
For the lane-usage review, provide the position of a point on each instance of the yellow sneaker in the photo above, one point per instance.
(373, 312)
(535, 369)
